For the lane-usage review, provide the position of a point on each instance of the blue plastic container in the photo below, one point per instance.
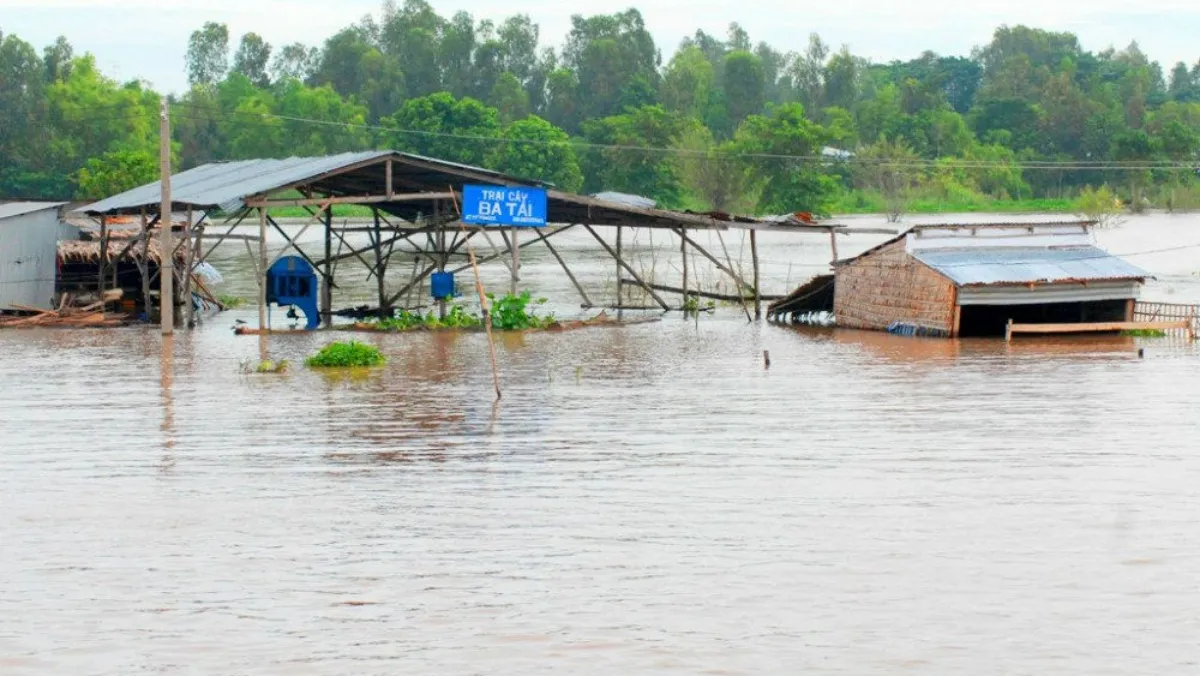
(441, 285)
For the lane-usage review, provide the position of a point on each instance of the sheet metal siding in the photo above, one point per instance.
(28, 248)
(1048, 293)
(1020, 265)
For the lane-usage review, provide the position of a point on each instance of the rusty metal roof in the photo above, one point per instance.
(1023, 265)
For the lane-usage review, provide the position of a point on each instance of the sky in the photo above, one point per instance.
(147, 39)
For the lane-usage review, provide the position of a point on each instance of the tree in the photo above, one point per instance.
(115, 172)
(538, 150)
(632, 165)
(438, 125)
(808, 73)
(298, 102)
(1135, 146)
(608, 53)
(890, 169)
(744, 85)
(789, 178)
(562, 104)
(687, 81)
(841, 77)
(509, 98)
(252, 57)
(294, 62)
(711, 171)
(208, 54)
(57, 58)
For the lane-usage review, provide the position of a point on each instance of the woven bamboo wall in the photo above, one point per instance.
(889, 286)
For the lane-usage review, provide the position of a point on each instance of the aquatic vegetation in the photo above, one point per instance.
(1145, 333)
(346, 355)
(266, 366)
(512, 313)
(230, 302)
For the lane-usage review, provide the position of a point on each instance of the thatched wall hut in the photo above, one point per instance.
(953, 280)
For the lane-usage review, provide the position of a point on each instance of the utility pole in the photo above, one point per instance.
(166, 268)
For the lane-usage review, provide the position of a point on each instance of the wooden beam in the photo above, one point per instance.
(364, 199)
(1096, 327)
(754, 262)
(587, 302)
(700, 294)
(633, 273)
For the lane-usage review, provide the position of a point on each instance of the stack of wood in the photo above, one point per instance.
(66, 315)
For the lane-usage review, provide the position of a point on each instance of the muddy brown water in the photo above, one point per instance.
(643, 500)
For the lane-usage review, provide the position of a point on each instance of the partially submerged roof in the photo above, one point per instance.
(12, 209)
(1027, 265)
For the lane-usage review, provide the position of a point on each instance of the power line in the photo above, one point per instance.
(949, 163)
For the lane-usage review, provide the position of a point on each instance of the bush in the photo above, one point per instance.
(456, 318)
(1100, 205)
(346, 355)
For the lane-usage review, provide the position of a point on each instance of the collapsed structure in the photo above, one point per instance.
(975, 280)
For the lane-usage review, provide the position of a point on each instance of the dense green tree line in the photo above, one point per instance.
(723, 123)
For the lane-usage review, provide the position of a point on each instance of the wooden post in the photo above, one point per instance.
(954, 331)
(166, 270)
(587, 302)
(483, 301)
(327, 277)
(262, 269)
(683, 254)
(632, 273)
(1008, 332)
(617, 256)
(754, 259)
(379, 264)
(388, 177)
(1129, 308)
(189, 309)
(443, 256)
(833, 246)
(144, 264)
(103, 254)
(516, 260)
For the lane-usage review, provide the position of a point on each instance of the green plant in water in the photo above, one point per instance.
(456, 318)
(512, 313)
(346, 355)
(692, 306)
(1145, 333)
(229, 302)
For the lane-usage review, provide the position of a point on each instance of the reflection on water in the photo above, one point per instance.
(646, 499)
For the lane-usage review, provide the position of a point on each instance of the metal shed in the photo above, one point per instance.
(29, 234)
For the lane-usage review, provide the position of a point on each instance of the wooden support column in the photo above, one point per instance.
(380, 264)
(1129, 309)
(144, 264)
(327, 282)
(262, 268)
(833, 245)
(683, 255)
(166, 269)
(632, 273)
(103, 254)
(754, 260)
(516, 260)
(617, 256)
(587, 302)
(443, 257)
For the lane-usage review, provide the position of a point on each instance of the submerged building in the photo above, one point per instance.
(972, 280)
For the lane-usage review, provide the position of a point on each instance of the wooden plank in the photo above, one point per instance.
(1095, 327)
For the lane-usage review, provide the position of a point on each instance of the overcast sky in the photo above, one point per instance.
(147, 38)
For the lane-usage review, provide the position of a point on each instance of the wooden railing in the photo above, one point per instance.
(1159, 312)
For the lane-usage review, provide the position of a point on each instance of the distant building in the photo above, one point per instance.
(29, 233)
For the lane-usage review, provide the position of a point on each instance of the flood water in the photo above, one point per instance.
(645, 499)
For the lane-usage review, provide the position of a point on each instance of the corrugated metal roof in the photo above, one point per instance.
(225, 184)
(626, 199)
(1020, 265)
(21, 208)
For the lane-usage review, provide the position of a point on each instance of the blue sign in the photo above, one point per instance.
(498, 205)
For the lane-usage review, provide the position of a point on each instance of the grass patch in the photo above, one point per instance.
(346, 355)
(1145, 333)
